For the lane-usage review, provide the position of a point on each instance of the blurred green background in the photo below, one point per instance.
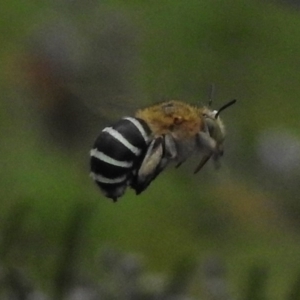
(70, 67)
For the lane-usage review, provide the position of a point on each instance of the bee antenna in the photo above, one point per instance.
(211, 94)
(225, 106)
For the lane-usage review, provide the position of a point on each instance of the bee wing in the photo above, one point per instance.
(151, 166)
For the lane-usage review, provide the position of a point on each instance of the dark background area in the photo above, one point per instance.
(68, 68)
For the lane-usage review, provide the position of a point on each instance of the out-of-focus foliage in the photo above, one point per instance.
(124, 276)
(70, 67)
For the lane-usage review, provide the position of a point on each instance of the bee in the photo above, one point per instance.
(133, 151)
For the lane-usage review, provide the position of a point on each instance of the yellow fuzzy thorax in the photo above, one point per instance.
(178, 118)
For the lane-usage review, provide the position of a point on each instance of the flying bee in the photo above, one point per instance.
(134, 150)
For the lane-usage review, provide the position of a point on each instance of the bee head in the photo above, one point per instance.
(215, 129)
(215, 125)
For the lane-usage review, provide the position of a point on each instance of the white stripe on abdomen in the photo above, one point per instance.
(105, 158)
(102, 179)
(118, 136)
(140, 128)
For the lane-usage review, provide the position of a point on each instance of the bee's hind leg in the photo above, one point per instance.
(160, 152)
(148, 169)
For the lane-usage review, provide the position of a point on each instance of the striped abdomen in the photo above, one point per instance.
(117, 153)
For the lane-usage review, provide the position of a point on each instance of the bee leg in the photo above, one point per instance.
(150, 167)
(160, 152)
(180, 163)
(171, 150)
(205, 142)
(208, 145)
(170, 147)
(203, 161)
(169, 153)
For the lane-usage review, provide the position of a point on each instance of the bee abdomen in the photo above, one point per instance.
(116, 154)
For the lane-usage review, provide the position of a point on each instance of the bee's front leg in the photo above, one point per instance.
(205, 143)
(208, 145)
